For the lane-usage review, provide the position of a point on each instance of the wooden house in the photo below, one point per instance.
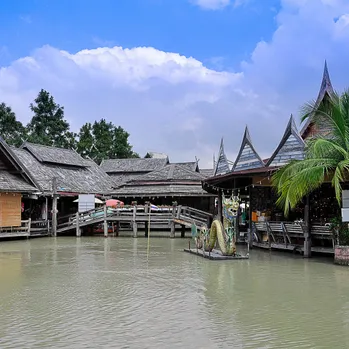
(250, 176)
(61, 175)
(176, 182)
(16, 183)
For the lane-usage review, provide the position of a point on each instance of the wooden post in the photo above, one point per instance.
(146, 227)
(54, 206)
(117, 228)
(182, 231)
(179, 211)
(105, 223)
(29, 226)
(78, 230)
(173, 230)
(307, 231)
(134, 223)
(250, 234)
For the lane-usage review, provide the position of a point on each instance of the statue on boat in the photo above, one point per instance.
(223, 235)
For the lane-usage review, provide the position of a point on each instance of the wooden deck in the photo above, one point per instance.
(293, 248)
(28, 229)
(214, 254)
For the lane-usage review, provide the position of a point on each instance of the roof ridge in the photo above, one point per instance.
(246, 140)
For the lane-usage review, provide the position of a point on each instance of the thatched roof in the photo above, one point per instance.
(142, 165)
(13, 175)
(85, 177)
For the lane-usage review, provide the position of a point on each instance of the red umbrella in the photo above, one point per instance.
(114, 203)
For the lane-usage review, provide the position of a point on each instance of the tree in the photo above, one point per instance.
(103, 140)
(48, 126)
(11, 130)
(326, 158)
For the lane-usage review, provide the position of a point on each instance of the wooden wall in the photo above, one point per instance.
(10, 209)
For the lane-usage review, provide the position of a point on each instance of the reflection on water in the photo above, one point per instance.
(102, 293)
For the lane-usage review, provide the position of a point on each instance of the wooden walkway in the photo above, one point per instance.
(134, 217)
(28, 229)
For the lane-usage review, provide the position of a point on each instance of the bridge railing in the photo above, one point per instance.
(23, 229)
(193, 214)
(40, 227)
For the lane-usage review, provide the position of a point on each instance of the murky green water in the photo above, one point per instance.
(101, 293)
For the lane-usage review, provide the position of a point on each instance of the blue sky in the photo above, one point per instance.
(221, 38)
(177, 74)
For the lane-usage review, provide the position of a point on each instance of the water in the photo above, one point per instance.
(101, 293)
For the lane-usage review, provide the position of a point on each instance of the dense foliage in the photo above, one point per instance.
(98, 141)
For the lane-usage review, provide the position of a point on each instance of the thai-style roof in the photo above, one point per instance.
(291, 146)
(169, 173)
(160, 190)
(13, 175)
(173, 179)
(155, 155)
(87, 179)
(54, 155)
(222, 165)
(326, 90)
(248, 157)
(207, 172)
(142, 165)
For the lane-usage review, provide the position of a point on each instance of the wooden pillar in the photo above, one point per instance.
(250, 234)
(220, 206)
(78, 230)
(179, 211)
(134, 223)
(146, 227)
(173, 230)
(117, 228)
(307, 231)
(182, 231)
(105, 223)
(54, 206)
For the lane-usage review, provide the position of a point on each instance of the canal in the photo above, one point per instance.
(102, 293)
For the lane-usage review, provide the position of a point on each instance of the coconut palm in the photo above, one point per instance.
(326, 157)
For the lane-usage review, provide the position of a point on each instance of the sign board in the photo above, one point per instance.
(345, 198)
(345, 214)
(86, 202)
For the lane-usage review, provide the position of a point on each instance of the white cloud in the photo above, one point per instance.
(174, 104)
(211, 4)
(218, 4)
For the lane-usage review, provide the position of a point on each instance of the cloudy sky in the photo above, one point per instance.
(176, 74)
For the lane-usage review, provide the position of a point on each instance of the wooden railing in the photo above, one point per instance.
(192, 215)
(274, 231)
(27, 228)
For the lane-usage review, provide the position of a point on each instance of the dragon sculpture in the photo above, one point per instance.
(223, 234)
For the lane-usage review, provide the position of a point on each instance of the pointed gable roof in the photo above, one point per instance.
(326, 90)
(291, 146)
(247, 158)
(14, 177)
(222, 165)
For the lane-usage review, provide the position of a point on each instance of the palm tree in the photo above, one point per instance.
(326, 157)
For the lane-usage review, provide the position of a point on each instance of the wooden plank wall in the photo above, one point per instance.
(10, 209)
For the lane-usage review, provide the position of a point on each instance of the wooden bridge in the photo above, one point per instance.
(138, 216)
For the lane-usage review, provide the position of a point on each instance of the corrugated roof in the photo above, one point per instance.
(90, 179)
(133, 165)
(55, 155)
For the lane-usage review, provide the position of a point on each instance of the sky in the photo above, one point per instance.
(178, 75)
